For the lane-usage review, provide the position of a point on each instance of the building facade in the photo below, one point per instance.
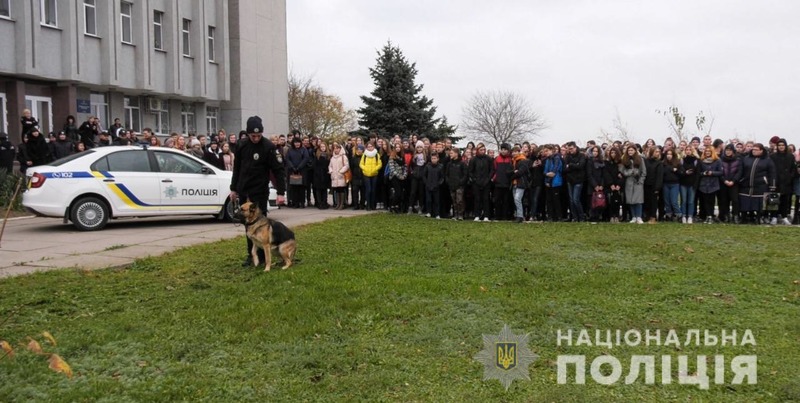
(171, 65)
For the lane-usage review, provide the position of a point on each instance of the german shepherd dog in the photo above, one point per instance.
(267, 234)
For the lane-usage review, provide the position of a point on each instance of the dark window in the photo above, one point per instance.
(177, 163)
(129, 161)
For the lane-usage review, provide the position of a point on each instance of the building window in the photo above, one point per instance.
(158, 21)
(90, 17)
(160, 109)
(211, 120)
(49, 13)
(186, 25)
(99, 105)
(211, 55)
(133, 118)
(5, 8)
(126, 10)
(187, 118)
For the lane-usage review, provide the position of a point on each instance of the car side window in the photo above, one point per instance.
(126, 161)
(100, 165)
(177, 164)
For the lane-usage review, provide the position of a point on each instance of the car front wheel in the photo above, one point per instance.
(89, 214)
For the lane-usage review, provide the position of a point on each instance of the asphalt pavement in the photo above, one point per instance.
(32, 244)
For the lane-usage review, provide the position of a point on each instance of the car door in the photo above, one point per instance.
(187, 185)
(131, 183)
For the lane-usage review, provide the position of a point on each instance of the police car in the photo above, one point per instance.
(90, 187)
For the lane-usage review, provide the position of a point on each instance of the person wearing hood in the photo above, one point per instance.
(729, 188)
(337, 168)
(321, 176)
(38, 152)
(758, 177)
(213, 155)
(62, 147)
(370, 165)
(785, 171)
(297, 161)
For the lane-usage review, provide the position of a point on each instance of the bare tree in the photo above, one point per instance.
(315, 113)
(619, 131)
(499, 117)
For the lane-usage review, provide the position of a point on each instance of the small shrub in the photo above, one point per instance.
(8, 183)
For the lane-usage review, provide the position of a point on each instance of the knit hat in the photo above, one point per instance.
(419, 144)
(774, 140)
(194, 142)
(781, 141)
(360, 147)
(695, 138)
(254, 125)
(730, 147)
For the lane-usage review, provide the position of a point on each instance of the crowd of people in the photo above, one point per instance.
(702, 180)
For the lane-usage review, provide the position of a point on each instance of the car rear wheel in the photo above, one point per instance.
(89, 214)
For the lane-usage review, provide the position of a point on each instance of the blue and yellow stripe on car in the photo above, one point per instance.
(130, 200)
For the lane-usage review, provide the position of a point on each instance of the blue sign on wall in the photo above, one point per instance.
(84, 106)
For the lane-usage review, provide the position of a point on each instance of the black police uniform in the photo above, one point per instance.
(7, 154)
(252, 165)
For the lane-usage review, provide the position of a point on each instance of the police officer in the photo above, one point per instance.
(7, 154)
(255, 158)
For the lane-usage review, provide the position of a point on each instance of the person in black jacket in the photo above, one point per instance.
(433, 176)
(480, 173)
(255, 159)
(575, 176)
(595, 167)
(456, 179)
(7, 154)
(688, 183)
(37, 148)
(357, 181)
(321, 177)
(213, 155)
(670, 184)
(88, 130)
(729, 188)
(22, 155)
(613, 181)
(62, 147)
(758, 177)
(785, 171)
(537, 184)
(297, 162)
(653, 183)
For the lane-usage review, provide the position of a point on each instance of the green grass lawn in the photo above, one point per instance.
(387, 308)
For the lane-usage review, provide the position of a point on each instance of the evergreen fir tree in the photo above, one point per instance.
(396, 105)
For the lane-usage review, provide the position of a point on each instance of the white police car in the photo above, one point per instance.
(90, 187)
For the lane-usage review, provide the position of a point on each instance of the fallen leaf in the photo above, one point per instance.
(589, 325)
(689, 249)
(796, 282)
(483, 288)
(7, 348)
(142, 364)
(170, 288)
(49, 337)
(34, 346)
(59, 365)
(717, 294)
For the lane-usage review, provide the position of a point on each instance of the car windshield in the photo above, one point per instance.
(69, 158)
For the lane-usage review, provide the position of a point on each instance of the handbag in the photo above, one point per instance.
(773, 201)
(598, 199)
(296, 179)
(348, 175)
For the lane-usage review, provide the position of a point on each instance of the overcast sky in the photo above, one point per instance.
(576, 61)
